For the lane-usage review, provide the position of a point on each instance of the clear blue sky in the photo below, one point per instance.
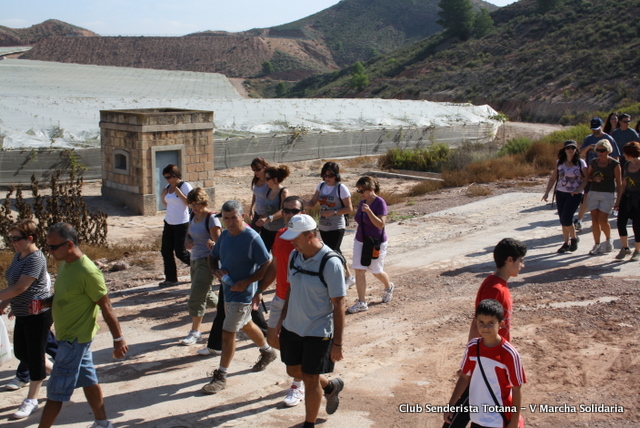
(163, 17)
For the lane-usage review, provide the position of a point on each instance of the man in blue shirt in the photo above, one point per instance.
(239, 259)
(624, 134)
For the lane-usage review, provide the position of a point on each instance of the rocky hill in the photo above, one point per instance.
(35, 33)
(575, 57)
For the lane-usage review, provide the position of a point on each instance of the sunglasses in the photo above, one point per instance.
(168, 177)
(256, 170)
(17, 238)
(328, 175)
(571, 148)
(601, 150)
(626, 121)
(266, 177)
(293, 211)
(55, 247)
(361, 191)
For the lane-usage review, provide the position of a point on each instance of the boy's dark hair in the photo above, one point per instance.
(506, 248)
(490, 308)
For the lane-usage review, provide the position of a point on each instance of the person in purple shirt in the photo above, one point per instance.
(371, 218)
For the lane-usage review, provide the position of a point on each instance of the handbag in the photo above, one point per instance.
(495, 399)
(370, 246)
(5, 344)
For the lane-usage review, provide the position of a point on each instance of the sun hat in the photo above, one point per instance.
(298, 224)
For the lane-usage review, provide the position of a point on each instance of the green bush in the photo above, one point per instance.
(432, 158)
(515, 146)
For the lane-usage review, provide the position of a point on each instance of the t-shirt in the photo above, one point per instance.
(281, 250)
(271, 207)
(494, 287)
(260, 192)
(632, 179)
(365, 226)
(34, 266)
(240, 256)
(624, 137)
(330, 198)
(78, 286)
(503, 369)
(200, 236)
(603, 178)
(177, 210)
(310, 310)
(570, 177)
(592, 139)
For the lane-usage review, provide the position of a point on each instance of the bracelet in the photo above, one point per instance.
(335, 344)
(119, 339)
(258, 291)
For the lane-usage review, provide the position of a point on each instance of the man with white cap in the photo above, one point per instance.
(312, 321)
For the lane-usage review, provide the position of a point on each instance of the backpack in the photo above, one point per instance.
(206, 219)
(346, 216)
(328, 255)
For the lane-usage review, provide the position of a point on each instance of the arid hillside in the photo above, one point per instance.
(35, 33)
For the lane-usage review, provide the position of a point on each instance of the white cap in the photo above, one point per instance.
(298, 224)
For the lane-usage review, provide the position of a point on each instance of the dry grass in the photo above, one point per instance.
(5, 260)
(474, 190)
(424, 187)
(506, 167)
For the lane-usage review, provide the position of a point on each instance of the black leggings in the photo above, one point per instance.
(626, 213)
(333, 239)
(30, 342)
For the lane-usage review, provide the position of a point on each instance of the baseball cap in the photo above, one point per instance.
(596, 123)
(298, 224)
(570, 143)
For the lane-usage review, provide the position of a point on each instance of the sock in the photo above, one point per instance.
(32, 400)
(297, 385)
(104, 423)
(265, 347)
(223, 369)
(308, 425)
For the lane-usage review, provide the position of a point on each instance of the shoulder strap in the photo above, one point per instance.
(486, 381)
(323, 262)
(206, 219)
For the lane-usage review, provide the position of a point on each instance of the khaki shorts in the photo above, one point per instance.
(237, 315)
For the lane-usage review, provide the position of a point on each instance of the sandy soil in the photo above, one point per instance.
(575, 322)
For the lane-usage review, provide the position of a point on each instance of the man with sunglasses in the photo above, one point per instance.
(624, 134)
(278, 271)
(80, 291)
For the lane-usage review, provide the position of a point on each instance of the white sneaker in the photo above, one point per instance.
(95, 425)
(388, 293)
(192, 338)
(595, 250)
(351, 281)
(15, 384)
(208, 352)
(26, 408)
(358, 307)
(294, 396)
(608, 245)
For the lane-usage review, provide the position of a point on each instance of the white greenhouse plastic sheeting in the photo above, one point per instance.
(41, 102)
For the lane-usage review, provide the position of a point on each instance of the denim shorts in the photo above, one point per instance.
(72, 368)
(237, 315)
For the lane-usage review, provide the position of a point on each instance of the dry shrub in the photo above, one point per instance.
(506, 167)
(425, 186)
(474, 190)
(542, 156)
(6, 257)
(358, 162)
(391, 197)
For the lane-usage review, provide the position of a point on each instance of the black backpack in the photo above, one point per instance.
(328, 255)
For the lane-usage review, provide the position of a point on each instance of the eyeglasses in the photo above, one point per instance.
(17, 238)
(570, 148)
(361, 191)
(168, 177)
(328, 175)
(293, 211)
(601, 150)
(55, 247)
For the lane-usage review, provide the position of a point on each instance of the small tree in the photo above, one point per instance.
(281, 89)
(359, 78)
(456, 16)
(267, 68)
(482, 23)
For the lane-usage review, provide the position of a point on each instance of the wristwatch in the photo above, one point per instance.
(270, 218)
(335, 212)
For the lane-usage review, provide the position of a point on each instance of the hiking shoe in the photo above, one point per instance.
(358, 307)
(208, 351)
(565, 247)
(608, 245)
(15, 384)
(95, 425)
(595, 250)
(574, 244)
(351, 281)
(624, 252)
(388, 293)
(333, 400)
(266, 358)
(577, 225)
(25, 408)
(217, 384)
(294, 396)
(636, 256)
(165, 284)
(192, 338)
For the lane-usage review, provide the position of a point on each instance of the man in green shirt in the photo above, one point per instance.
(79, 292)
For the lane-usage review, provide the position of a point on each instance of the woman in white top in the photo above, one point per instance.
(571, 176)
(204, 231)
(335, 206)
(176, 223)
(260, 189)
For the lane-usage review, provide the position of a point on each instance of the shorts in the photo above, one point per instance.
(201, 279)
(377, 265)
(602, 201)
(237, 315)
(30, 342)
(72, 368)
(276, 307)
(311, 352)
